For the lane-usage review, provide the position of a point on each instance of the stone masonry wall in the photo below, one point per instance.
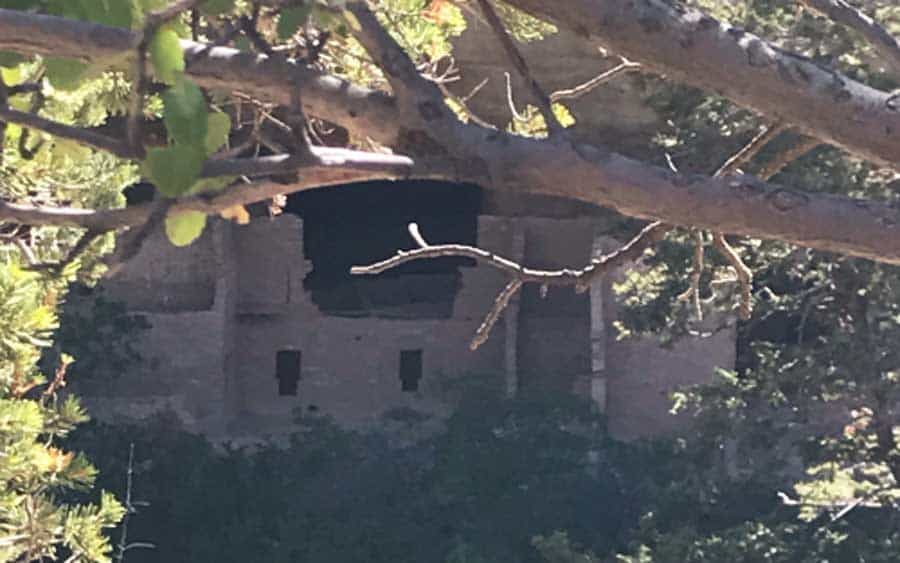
(215, 367)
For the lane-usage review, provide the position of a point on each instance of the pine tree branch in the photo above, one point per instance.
(885, 44)
(334, 167)
(690, 46)
(414, 120)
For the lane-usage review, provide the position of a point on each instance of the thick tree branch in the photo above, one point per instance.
(692, 47)
(81, 135)
(445, 148)
(881, 39)
(335, 168)
(276, 164)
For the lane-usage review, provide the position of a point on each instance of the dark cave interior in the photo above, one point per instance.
(366, 222)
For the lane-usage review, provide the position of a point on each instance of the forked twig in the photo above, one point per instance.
(579, 279)
(589, 86)
(544, 103)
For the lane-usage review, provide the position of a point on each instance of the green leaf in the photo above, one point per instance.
(292, 18)
(184, 113)
(174, 169)
(166, 55)
(64, 74)
(185, 228)
(11, 76)
(218, 126)
(216, 7)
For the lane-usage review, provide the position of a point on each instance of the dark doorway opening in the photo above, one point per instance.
(287, 371)
(410, 370)
(366, 222)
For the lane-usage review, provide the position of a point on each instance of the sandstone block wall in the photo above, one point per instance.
(224, 308)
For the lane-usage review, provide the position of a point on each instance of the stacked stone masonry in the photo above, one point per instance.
(237, 347)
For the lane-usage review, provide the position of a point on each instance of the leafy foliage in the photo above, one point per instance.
(499, 474)
(34, 470)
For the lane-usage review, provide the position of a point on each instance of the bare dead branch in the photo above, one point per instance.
(592, 84)
(743, 273)
(572, 277)
(579, 279)
(692, 293)
(511, 102)
(465, 107)
(500, 305)
(885, 44)
(544, 104)
(26, 251)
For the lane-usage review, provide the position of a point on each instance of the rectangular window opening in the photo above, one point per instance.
(410, 370)
(287, 371)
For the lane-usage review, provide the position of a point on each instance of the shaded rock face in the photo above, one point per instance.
(615, 114)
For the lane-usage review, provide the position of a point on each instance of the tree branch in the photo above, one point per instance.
(743, 273)
(451, 150)
(589, 86)
(554, 127)
(692, 47)
(276, 164)
(81, 135)
(335, 168)
(579, 279)
(885, 44)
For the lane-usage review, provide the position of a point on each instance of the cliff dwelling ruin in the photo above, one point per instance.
(253, 324)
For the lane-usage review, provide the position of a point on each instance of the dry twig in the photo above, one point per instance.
(543, 100)
(731, 166)
(579, 279)
(585, 88)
